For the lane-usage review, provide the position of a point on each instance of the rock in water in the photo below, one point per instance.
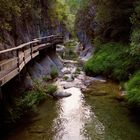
(68, 85)
(61, 94)
(66, 70)
(70, 78)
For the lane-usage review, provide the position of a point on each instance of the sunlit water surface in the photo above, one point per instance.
(73, 117)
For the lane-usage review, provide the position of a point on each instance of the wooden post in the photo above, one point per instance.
(18, 60)
(18, 64)
(23, 50)
(31, 47)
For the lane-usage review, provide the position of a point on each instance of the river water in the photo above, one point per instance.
(97, 114)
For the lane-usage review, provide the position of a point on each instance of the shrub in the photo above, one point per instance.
(133, 90)
(114, 61)
(54, 73)
(78, 70)
(19, 106)
(70, 51)
(65, 78)
(46, 78)
(51, 89)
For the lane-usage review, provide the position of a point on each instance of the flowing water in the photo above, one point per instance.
(97, 114)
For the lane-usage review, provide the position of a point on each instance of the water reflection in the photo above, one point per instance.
(79, 118)
(74, 116)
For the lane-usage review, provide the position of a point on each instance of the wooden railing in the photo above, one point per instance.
(9, 68)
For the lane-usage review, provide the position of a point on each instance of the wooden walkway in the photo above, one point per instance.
(9, 68)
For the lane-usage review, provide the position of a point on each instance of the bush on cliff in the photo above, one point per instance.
(112, 60)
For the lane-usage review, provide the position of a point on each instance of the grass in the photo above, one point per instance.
(114, 61)
(54, 73)
(46, 78)
(133, 90)
(51, 89)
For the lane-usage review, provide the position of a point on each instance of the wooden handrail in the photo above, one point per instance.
(19, 47)
(46, 37)
(26, 44)
(24, 53)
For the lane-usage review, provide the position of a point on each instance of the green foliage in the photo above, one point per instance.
(133, 90)
(14, 110)
(46, 78)
(70, 51)
(85, 18)
(17, 9)
(135, 42)
(24, 11)
(54, 73)
(112, 60)
(36, 95)
(115, 22)
(65, 10)
(51, 89)
(135, 36)
(7, 10)
(65, 78)
(105, 20)
(19, 106)
(78, 70)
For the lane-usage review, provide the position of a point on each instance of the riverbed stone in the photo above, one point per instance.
(61, 94)
(70, 78)
(68, 85)
(66, 70)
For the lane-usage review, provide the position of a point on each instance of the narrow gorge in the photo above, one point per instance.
(69, 70)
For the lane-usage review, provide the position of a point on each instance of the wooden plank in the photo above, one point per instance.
(21, 66)
(58, 40)
(35, 54)
(5, 61)
(4, 72)
(43, 47)
(47, 37)
(28, 59)
(9, 76)
(35, 49)
(21, 57)
(8, 63)
(27, 53)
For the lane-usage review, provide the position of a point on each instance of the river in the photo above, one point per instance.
(97, 114)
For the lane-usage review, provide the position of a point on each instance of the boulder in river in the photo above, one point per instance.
(70, 78)
(66, 70)
(61, 94)
(68, 85)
